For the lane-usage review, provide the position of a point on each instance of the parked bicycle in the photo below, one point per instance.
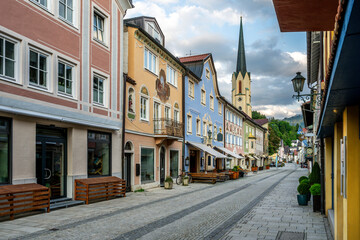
(179, 179)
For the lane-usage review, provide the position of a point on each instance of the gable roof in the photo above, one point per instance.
(261, 121)
(194, 58)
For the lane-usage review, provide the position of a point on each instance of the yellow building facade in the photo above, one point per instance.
(154, 110)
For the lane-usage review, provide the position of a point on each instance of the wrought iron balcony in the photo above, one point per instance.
(168, 127)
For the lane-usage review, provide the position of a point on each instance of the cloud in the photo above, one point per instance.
(278, 111)
(211, 26)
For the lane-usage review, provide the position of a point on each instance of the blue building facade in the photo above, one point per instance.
(204, 116)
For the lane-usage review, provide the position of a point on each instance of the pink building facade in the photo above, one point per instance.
(61, 86)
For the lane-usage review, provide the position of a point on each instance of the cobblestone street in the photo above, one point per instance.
(255, 207)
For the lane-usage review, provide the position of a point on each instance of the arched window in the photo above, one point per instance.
(144, 104)
(239, 86)
(128, 146)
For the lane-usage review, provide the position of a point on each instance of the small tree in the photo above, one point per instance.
(315, 174)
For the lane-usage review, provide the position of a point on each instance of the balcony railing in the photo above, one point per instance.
(168, 127)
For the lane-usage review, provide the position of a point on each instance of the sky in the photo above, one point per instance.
(212, 26)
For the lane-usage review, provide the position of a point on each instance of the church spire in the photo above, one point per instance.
(241, 62)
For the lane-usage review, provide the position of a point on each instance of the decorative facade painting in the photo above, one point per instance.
(131, 105)
(162, 88)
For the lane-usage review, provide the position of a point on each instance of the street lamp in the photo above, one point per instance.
(298, 85)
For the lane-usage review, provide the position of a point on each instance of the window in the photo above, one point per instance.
(191, 89)
(5, 147)
(147, 165)
(65, 78)
(151, 29)
(240, 87)
(150, 61)
(157, 118)
(42, 2)
(215, 133)
(174, 163)
(209, 160)
(171, 76)
(99, 27)
(207, 73)
(203, 97)
(204, 129)
(198, 127)
(98, 90)
(176, 115)
(220, 108)
(99, 153)
(38, 69)
(7, 58)
(144, 108)
(252, 144)
(66, 10)
(189, 124)
(211, 102)
(167, 113)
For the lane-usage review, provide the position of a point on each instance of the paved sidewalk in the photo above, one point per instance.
(278, 214)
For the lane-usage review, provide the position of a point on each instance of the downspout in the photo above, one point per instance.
(123, 129)
(322, 178)
(183, 121)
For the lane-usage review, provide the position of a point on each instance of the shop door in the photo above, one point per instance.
(162, 166)
(127, 172)
(51, 163)
(193, 161)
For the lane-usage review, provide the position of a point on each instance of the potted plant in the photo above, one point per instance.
(302, 178)
(186, 180)
(315, 190)
(168, 182)
(307, 182)
(315, 174)
(267, 166)
(303, 190)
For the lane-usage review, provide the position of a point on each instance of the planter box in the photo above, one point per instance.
(254, 169)
(168, 185)
(316, 203)
(302, 200)
(267, 167)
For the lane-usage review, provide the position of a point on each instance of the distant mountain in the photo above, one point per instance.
(297, 119)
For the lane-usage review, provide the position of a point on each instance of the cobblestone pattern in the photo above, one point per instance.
(279, 211)
(108, 219)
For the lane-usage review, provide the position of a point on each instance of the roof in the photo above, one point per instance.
(195, 58)
(241, 61)
(261, 121)
(294, 15)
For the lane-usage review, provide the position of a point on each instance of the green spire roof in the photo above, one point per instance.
(241, 62)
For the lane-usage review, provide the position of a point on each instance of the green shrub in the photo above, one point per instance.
(302, 178)
(315, 189)
(315, 174)
(140, 190)
(235, 168)
(305, 181)
(303, 188)
(169, 179)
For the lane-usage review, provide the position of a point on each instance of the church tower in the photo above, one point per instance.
(241, 81)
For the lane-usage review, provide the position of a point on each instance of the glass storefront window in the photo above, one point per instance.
(5, 142)
(147, 165)
(174, 163)
(99, 153)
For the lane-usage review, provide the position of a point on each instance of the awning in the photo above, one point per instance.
(227, 151)
(250, 157)
(207, 149)
(257, 158)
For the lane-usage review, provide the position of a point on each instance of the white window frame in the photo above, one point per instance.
(146, 99)
(215, 133)
(198, 126)
(203, 97)
(149, 57)
(46, 7)
(176, 115)
(191, 89)
(106, 26)
(189, 124)
(16, 60)
(48, 72)
(220, 107)
(204, 129)
(67, 7)
(104, 79)
(167, 112)
(211, 102)
(171, 75)
(73, 74)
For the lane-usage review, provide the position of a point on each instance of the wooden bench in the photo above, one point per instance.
(205, 177)
(23, 198)
(101, 187)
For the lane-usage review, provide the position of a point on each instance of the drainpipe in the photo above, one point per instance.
(183, 120)
(123, 126)
(322, 178)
